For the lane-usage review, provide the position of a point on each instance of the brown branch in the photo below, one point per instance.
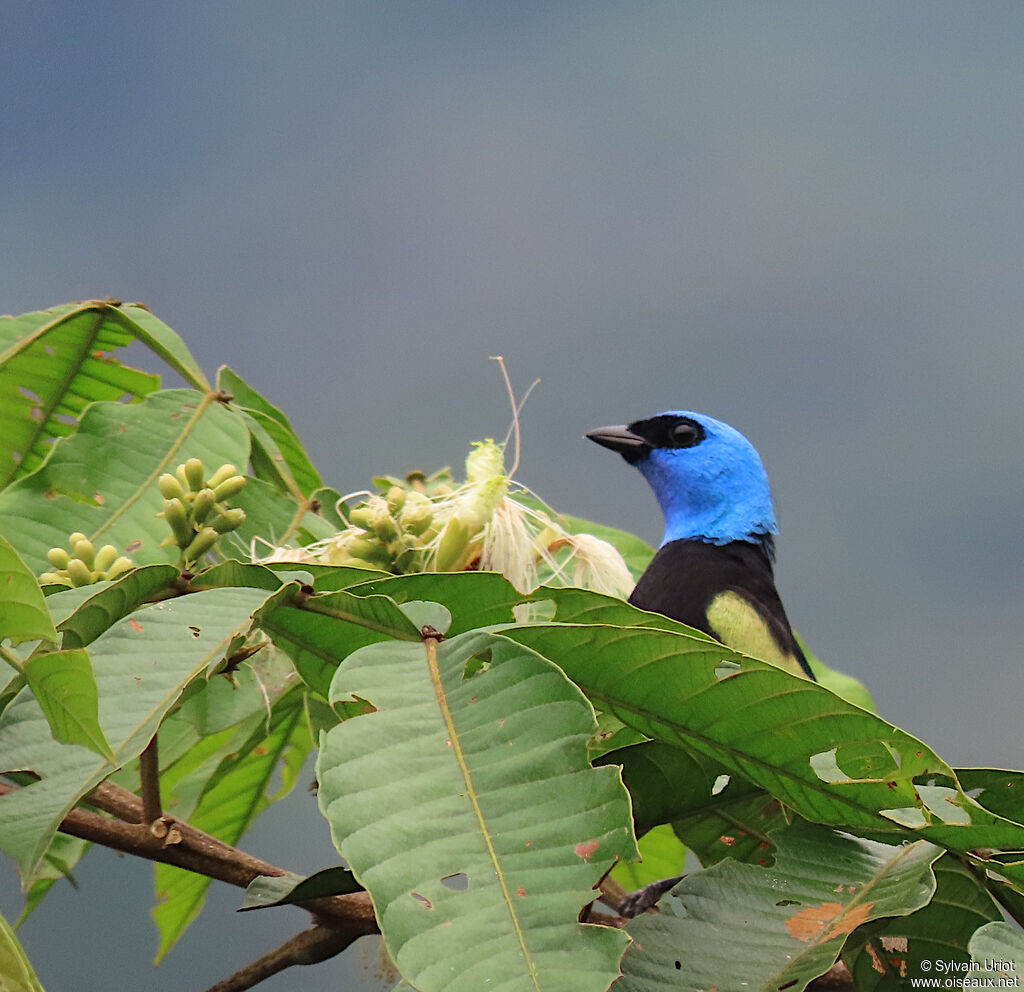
(186, 847)
(309, 947)
(149, 773)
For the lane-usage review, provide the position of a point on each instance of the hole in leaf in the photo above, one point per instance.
(788, 902)
(907, 816)
(458, 882)
(536, 612)
(726, 668)
(720, 783)
(423, 899)
(679, 966)
(30, 395)
(476, 664)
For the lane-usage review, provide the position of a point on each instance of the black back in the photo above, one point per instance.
(685, 576)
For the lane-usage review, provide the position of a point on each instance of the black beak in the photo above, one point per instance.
(631, 446)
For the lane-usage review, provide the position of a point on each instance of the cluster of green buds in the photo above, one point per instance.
(196, 507)
(424, 523)
(434, 524)
(83, 564)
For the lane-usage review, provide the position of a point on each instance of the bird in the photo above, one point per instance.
(714, 569)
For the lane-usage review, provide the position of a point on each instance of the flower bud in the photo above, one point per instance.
(58, 557)
(395, 499)
(222, 474)
(177, 517)
(105, 557)
(202, 543)
(194, 473)
(79, 573)
(85, 551)
(231, 486)
(231, 519)
(203, 503)
(170, 487)
(119, 567)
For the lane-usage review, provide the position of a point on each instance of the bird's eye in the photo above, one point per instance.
(686, 435)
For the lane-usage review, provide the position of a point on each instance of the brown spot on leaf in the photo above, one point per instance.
(827, 920)
(586, 849)
(521, 892)
(100, 498)
(135, 625)
(195, 631)
(727, 840)
(134, 546)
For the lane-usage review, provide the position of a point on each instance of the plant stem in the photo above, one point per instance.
(149, 772)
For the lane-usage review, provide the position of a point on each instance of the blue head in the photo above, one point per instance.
(707, 477)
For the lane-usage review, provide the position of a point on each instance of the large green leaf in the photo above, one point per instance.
(55, 362)
(465, 804)
(65, 689)
(741, 926)
(234, 797)
(102, 480)
(717, 814)
(104, 606)
(16, 974)
(828, 759)
(141, 665)
(297, 625)
(882, 956)
(474, 599)
(23, 613)
(277, 453)
(999, 950)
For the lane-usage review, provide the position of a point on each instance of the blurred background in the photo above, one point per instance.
(802, 218)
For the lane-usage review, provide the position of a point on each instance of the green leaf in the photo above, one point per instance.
(65, 689)
(999, 949)
(234, 797)
(76, 490)
(265, 891)
(741, 926)
(474, 599)
(277, 453)
(829, 760)
(63, 854)
(23, 612)
(881, 956)
(716, 813)
(662, 855)
(53, 364)
(583, 606)
(141, 666)
(112, 602)
(16, 973)
(297, 626)
(465, 804)
(236, 573)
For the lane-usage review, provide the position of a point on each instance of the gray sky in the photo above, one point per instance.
(802, 218)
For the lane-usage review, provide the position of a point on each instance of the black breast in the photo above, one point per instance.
(685, 576)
